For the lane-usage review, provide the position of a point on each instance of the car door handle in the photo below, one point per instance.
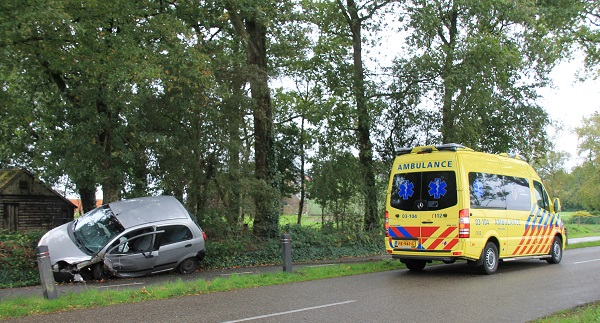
(188, 245)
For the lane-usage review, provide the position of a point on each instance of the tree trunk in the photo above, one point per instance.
(111, 187)
(365, 147)
(88, 199)
(449, 86)
(302, 190)
(254, 36)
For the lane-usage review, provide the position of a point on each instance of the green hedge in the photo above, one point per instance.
(18, 259)
(309, 243)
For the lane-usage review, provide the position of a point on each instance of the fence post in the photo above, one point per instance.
(46, 275)
(286, 243)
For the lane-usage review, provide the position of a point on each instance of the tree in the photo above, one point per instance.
(586, 33)
(589, 172)
(97, 65)
(340, 31)
(486, 59)
(250, 21)
(334, 184)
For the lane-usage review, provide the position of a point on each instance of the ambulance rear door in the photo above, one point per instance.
(423, 212)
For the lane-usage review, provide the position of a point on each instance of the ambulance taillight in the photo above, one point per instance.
(386, 225)
(464, 224)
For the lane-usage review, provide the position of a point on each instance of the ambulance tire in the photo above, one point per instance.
(555, 251)
(415, 265)
(489, 256)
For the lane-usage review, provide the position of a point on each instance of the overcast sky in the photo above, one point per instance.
(569, 101)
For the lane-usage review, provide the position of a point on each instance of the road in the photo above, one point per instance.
(519, 292)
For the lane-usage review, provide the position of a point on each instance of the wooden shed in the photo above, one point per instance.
(27, 204)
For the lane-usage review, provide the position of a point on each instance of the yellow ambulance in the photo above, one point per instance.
(449, 203)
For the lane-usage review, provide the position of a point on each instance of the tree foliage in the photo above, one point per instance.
(231, 104)
(480, 63)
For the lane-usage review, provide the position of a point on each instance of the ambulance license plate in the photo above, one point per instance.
(406, 244)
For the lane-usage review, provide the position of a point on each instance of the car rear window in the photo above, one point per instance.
(422, 191)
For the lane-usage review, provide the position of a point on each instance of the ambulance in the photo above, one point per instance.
(447, 203)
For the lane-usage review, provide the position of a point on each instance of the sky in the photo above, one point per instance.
(569, 101)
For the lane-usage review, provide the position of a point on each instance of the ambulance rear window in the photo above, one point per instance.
(423, 191)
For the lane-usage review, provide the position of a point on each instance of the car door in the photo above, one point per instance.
(175, 243)
(133, 252)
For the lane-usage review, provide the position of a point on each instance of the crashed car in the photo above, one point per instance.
(128, 238)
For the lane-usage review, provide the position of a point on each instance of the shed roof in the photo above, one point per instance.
(7, 176)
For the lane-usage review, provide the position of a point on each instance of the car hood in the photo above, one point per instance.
(61, 247)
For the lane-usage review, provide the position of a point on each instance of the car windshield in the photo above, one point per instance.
(96, 228)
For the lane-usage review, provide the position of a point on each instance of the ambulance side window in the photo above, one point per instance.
(486, 191)
(518, 194)
(541, 197)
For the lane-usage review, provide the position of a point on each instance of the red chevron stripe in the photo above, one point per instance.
(427, 232)
(441, 238)
(451, 244)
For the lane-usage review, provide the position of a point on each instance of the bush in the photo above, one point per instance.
(18, 259)
(584, 217)
(309, 243)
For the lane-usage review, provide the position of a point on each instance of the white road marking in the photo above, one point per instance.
(325, 265)
(240, 273)
(290, 312)
(121, 285)
(583, 262)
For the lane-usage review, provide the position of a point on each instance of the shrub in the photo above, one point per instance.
(18, 259)
(309, 243)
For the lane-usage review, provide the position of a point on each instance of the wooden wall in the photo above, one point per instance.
(27, 205)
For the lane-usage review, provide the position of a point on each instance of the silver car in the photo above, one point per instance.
(127, 238)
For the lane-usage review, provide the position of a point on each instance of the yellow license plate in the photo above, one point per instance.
(405, 244)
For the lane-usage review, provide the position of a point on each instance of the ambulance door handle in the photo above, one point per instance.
(427, 222)
(532, 215)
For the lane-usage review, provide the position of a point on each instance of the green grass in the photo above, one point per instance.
(584, 230)
(26, 306)
(585, 313)
(37, 305)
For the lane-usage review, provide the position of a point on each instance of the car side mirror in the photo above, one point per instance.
(557, 206)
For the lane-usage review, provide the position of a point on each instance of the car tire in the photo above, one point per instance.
(98, 271)
(415, 265)
(489, 256)
(189, 265)
(62, 277)
(555, 251)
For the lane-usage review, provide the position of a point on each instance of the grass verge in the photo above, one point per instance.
(584, 313)
(26, 306)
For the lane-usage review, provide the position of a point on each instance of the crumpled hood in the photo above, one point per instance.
(61, 247)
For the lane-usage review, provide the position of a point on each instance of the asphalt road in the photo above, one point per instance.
(519, 292)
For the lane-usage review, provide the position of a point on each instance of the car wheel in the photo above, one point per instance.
(415, 265)
(555, 251)
(98, 271)
(189, 265)
(490, 259)
(62, 277)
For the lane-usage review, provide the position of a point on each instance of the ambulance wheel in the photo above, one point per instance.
(415, 265)
(490, 259)
(555, 251)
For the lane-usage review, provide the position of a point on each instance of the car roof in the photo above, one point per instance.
(149, 209)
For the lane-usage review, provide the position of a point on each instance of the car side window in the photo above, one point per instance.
(130, 243)
(173, 234)
(541, 196)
